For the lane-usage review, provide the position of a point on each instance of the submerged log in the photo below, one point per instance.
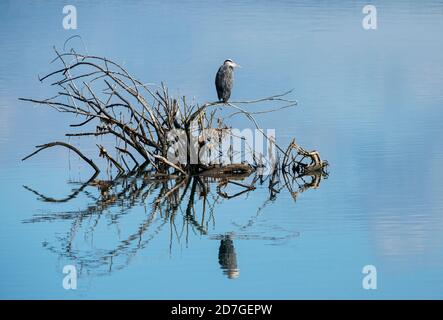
(229, 171)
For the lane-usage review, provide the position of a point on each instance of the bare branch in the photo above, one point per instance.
(66, 145)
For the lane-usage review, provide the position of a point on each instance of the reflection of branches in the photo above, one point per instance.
(192, 197)
(123, 193)
(67, 198)
(225, 182)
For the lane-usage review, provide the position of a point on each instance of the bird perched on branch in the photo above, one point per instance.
(225, 79)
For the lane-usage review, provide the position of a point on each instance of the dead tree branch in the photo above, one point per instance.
(141, 119)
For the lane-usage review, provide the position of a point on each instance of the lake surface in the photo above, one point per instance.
(370, 101)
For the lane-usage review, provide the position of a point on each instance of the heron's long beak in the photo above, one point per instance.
(236, 65)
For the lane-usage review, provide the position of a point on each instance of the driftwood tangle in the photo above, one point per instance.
(111, 102)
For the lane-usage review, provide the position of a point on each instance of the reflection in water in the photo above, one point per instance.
(227, 257)
(185, 205)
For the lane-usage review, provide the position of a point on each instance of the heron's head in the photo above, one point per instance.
(232, 64)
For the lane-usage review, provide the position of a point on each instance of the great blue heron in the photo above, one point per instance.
(225, 79)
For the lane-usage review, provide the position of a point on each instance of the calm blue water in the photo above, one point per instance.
(369, 101)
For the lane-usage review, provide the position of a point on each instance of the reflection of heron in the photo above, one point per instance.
(225, 79)
(228, 258)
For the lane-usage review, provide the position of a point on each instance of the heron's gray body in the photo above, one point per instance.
(224, 81)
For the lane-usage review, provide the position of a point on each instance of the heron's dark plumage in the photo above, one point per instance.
(224, 81)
